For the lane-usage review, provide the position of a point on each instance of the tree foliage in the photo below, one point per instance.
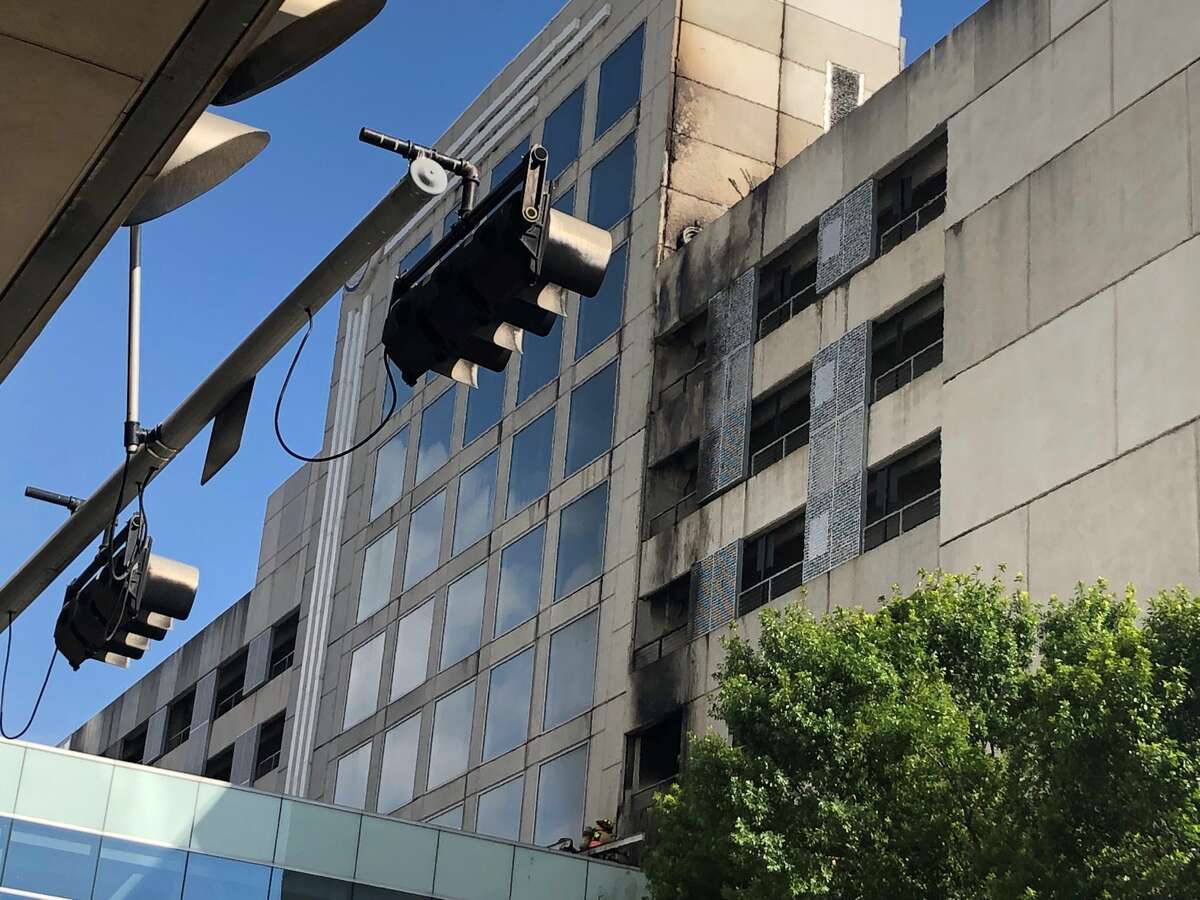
(960, 743)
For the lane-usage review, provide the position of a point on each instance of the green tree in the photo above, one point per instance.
(960, 743)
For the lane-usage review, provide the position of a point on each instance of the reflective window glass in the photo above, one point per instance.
(412, 650)
(389, 472)
(397, 777)
(451, 735)
(484, 403)
(610, 195)
(451, 818)
(566, 203)
(499, 812)
(509, 688)
(561, 783)
(376, 590)
(287, 885)
(620, 81)
(403, 391)
(129, 871)
(600, 316)
(476, 499)
(509, 162)
(529, 475)
(464, 616)
(581, 541)
(350, 788)
(49, 860)
(520, 580)
(590, 428)
(449, 220)
(561, 133)
(413, 256)
(424, 539)
(212, 878)
(362, 692)
(433, 449)
(539, 362)
(4, 825)
(571, 676)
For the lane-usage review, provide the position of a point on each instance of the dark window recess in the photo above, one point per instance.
(662, 622)
(270, 746)
(179, 721)
(679, 361)
(912, 196)
(907, 345)
(653, 759)
(620, 81)
(230, 679)
(220, 767)
(133, 747)
(903, 494)
(283, 645)
(779, 424)
(671, 490)
(787, 285)
(771, 564)
(413, 256)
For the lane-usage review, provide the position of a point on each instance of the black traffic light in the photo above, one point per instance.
(503, 270)
(125, 598)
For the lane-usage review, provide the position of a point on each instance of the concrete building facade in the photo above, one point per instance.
(841, 343)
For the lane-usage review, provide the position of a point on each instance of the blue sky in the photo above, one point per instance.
(212, 270)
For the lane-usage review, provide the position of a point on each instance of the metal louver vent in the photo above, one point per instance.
(723, 447)
(837, 472)
(846, 237)
(845, 92)
(715, 581)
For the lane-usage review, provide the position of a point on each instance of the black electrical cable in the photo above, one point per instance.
(4, 687)
(283, 390)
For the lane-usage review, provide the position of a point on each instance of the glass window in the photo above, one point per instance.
(566, 203)
(212, 878)
(376, 590)
(500, 811)
(529, 475)
(448, 222)
(903, 494)
(412, 650)
(572, 671)
(484, 403)
(4, 823)
(772, 564)
(539, 362)
(561, 783)
(389, 472)
(561, 134)
(424, 539)
(464, 616)
(476, 496)
(581, 542)
(590, 428)
(520, 580)
(350, 788)
(403, 391)
(451, 818)
(287, 885)
(413, 256)
(600, 316)
(433, 449)
(610, 196)
(509, 690)
(451, 735)
(130, 871)
(509, 162)
(620, 81)
(362, 692)
(49, 860)
(399, 772)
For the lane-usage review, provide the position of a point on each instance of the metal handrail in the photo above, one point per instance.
(174, 740)
(910, 365)
(762, 451)
(899, 516)
(917, 219)
(658, 644)
(281, 665)
(270, 764)
(773, 591)
(659, 521)
(225, 704)
(773, 320)
(663, 399)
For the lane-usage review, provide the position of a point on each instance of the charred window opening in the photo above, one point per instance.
(283, 645)
(771, 564)
(270, 746)
(912, 196)
(679, 361)
(907, 344)
(220, 767)
(787, 285)
(779, 423)
(671, 489)
(230, 678)
(903, 494)
(179, 720)
(653, 759)
(662, 622)
(133, 747)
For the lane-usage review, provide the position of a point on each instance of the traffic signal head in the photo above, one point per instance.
(504, 270)
(126, 598)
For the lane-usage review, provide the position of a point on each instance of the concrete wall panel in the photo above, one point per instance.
(705, 113)
(802, 190)
(1003, 541)
(758, 23)
(897, 276)
(941, 82)
(876, 134)
(731, 66)
(1008, 32)
(1133, 520)
(813, 41)
(1065, 13)
(1152, 40)
(879, 19)
(802, 92)
(1193, 91)
(868, 579)
(714, 174)
(1035, 415)
(905, 417)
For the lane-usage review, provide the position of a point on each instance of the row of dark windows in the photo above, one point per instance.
(267, 752)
